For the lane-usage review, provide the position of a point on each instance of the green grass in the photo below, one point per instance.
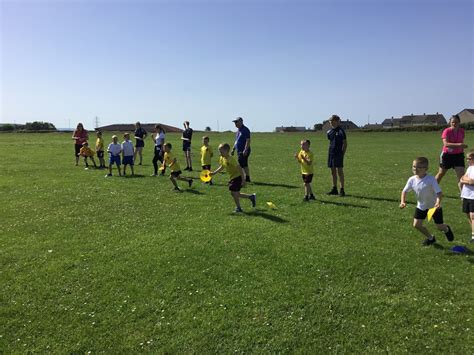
(126, 264)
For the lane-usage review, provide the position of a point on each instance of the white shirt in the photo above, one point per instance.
(114, 148)
(468, 190)
(426, 190)
(127, 148)
(159, 139)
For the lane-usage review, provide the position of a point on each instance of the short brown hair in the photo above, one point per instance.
(422, 161)
(470, 154)
(224, 146)
(205, 138)
(334, 118)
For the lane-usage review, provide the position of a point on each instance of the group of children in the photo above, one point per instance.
(425, 186)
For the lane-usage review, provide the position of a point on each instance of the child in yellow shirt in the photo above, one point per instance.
(99, 148)
(236, 174)
(206, 155)
(170, 161)
(305, 158)
(87, 152)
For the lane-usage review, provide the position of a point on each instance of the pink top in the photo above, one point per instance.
(81, 136)
(453, 136)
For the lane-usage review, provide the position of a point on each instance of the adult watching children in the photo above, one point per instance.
(186, 137)
(452, 156)
(140, 135)
(80, 135)
(242, 146)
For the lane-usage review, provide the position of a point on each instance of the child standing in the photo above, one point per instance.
(206, 155)
(467, 192)
(428, 195)
(114, 149)
(236, 174)
(158, 139)
(337, 150)
(127, 154)
(305, 158)
(86, 152)
(171, 162)
(99, 148)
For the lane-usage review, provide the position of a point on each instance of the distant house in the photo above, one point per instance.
(290, 129)
(391, 122)
(436, 119)
(373, 126)
(346, 125)
(149, 127)
(467, 115)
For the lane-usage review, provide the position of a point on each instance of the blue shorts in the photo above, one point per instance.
(186, 146)
(114, 159)
(140, 143)
(128, 160)
(335, 160)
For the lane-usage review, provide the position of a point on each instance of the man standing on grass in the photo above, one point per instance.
(337, 150)
(242, 146)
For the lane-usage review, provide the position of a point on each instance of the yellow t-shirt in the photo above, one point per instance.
(168, 159)
(99, 144)
(206, 155)
(86, 152)
(306, 169)
(231, 166)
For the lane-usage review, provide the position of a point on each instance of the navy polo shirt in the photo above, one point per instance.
(336, 137)
(243, 133)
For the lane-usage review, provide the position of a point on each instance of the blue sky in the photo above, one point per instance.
(272, 62)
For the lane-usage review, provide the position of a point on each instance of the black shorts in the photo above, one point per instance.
(77, 149)
(235, 184)
(307, 178)
(243, 160)
(140, 143)
(175, 174)
(451, 161)
(100, 154)
(186, 146)
(437, 216)
(467, 205)
(206, 167)
(335, 160)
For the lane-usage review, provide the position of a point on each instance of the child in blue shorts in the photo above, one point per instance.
(114, 149)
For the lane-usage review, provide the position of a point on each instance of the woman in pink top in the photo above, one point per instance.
(80, 136)
(453, 149)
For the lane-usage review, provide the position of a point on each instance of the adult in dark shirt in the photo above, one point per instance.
(337, 150)
(186, 137)
(242, 146)
(140, 135)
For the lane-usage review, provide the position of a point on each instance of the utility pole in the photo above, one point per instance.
(96, 122)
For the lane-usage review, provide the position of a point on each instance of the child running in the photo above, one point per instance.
(127, 154)
(236, 174)
(87, 152)
(305, 158)
(428, 195)
(467, 192)
(114, 149)
(206, 155)
(170, 161)
(99, 148)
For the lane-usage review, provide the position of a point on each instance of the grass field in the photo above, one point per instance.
(126, 264)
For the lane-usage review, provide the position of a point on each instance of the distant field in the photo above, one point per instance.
(125, 264)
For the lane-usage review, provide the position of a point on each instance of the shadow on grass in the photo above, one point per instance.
(375, 198)
(342, 204)
(136, 176)
(275, 185)
(262, 214)
(448, 252)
